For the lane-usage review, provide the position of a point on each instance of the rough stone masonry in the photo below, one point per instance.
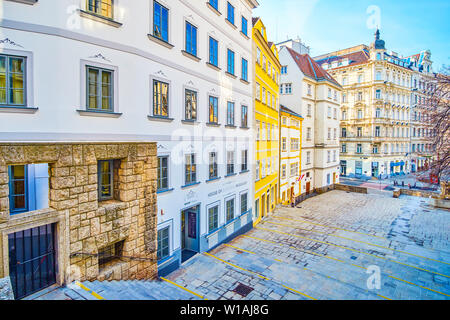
(84, 225)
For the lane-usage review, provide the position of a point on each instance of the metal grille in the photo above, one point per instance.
(243, 290)
(32, 261)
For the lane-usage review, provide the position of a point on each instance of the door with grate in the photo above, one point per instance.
(32, 260)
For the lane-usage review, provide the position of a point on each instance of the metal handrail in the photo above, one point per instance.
(109, 256)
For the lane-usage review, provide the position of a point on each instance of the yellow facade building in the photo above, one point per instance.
(266, 93)
(290, 155)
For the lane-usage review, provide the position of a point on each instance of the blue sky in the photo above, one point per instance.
(408, 27)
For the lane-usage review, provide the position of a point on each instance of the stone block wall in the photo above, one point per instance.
(85, 225)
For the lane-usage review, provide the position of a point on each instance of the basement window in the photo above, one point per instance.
(110, 254)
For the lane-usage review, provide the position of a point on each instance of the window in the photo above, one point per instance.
(308, 134)
(334, 133)
(258, 55)
(12, 80)
(377, 131)
(257, 170)
(213, 51)
(230, 64)
(230, 113)
(375, 149)
(230, 162)
(294, 144)
(213, 218)
(344, 97)
(163, 243)
(309, 111)
(191, 39)
(360, 78)
(284, 70)
(244, 26)
(160, 22)
(160, 99)
(358, 148)
(105, 179)
(344, 148)
(101, 7)
(308, 157)
(244, 164)
(283, 171)
(378, 94)
(309, 89)
(229, 207)
(334, 155)
(99, 89)
(190, 171)
(264, 95)
(378, 113)
(294, 169)
(360, 96)
(344, 132)
(230, 13)
(328, 156)
(243, 203)
(244, 69)
(329, 112)
(283, 144)
(163, 173)
(190, 105)
(258, 91)
(360, 114)
(110, 253)
(344, 115)
(378, 76)
(213, 110)
(214, 4)
(329, 133)
(18, 196)
(359, 131)
(288, 88)
(334, 113)
(258, 130)
(244, 116)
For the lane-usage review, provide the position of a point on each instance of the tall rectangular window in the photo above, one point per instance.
(213, 110)
(230, 61)
(230, 13)
(163, 173)
(230, 113)
(257, 170)
(191, 39)
(105, 179)
(99, 89)
(229, 207)
(244, 203)
(358, 148)
(244, 116)
(244, 69)
(244, 165)
(213, 218)
(244, 28)
(190, 105)
(18, 197)
(160, 99)
(163, 243)
(213, 51)
(12, 80)
(101, 7)
(160, 22)
(190, 171)
(213, 172)
(214, 4)
(230, 162)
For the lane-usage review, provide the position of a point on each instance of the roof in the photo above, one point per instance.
(354, 58)
(311, 68)
(287, 110)
(254, 20)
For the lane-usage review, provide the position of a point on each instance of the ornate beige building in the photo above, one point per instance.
(375, 135)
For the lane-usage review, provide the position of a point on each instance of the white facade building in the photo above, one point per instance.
(177, 72)
(311, 92)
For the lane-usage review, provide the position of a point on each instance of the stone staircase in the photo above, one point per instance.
(128, 290)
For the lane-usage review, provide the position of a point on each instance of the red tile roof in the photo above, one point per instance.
(353, 58)
(254, 20)
(310, 67)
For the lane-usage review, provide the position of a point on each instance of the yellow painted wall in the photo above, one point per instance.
(266, 112)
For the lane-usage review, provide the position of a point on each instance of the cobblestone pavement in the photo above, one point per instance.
(337, 245)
